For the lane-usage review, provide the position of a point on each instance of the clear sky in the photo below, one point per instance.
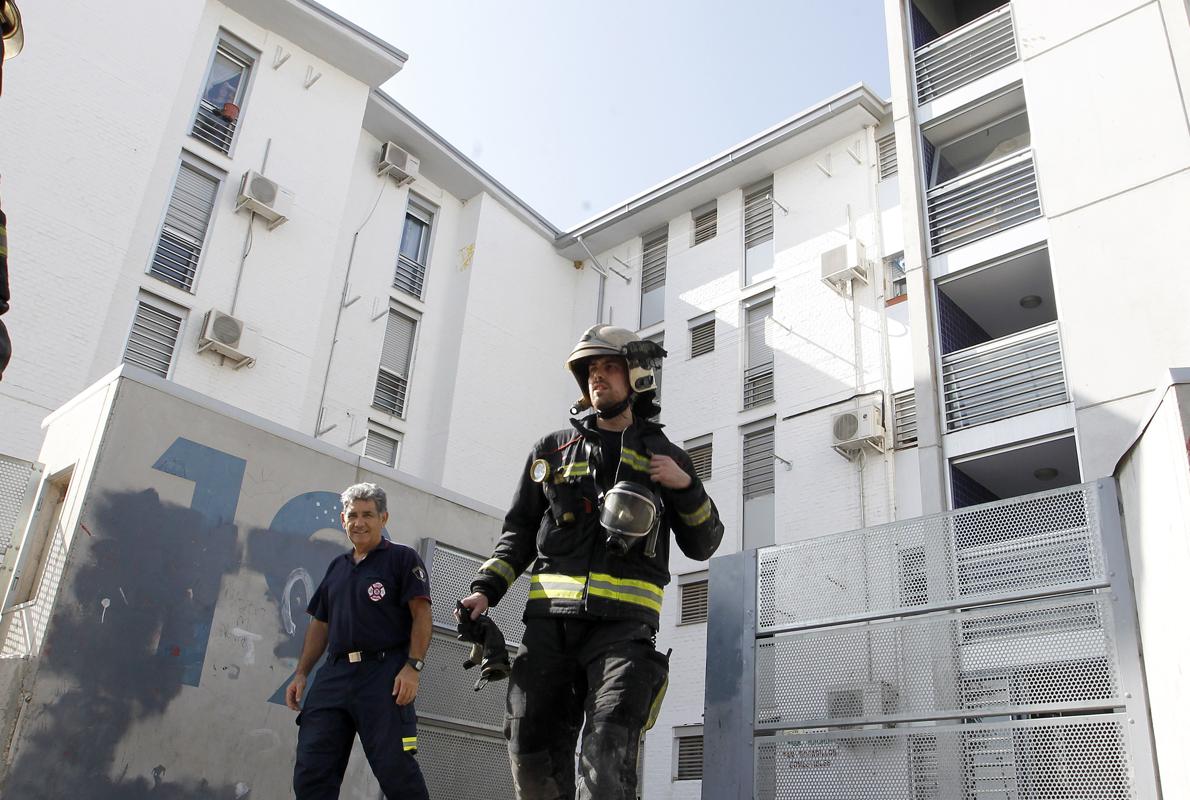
(576, 106)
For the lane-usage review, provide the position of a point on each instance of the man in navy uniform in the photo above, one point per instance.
(372, 612)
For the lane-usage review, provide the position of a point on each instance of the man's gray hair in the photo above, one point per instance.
(365, 491)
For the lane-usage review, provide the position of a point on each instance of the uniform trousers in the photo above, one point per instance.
(600, 677)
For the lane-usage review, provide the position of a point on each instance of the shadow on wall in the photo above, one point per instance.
(107, 666)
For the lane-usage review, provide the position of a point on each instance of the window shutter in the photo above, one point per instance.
(701, 456)
(186, 219)
(706, 223)
(653, 261)
(702, 338)
(153, 339)
(689, 758)
(381, 448)
(758, 463)
(904, 419)
(393, 379)
(694, 602)
(886, 156)
(758, 215)
(758, 374)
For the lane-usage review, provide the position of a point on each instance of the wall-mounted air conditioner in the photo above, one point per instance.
(842, 264)
(852, 431)
(866, 702)
(263, 196)
(224, 334)
(399, 163)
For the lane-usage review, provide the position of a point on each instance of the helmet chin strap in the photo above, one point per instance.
(616, 410)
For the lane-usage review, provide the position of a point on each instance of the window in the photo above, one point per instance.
(706, 222)
(223, 95)
(972, 151)
(700, 451)
(758, 231)
(381, 445)
(886, 156)
(687, 755)
(758, 484)
(694, 602)
(652, 276)
(904, 419)
(894, 275)
(187, 218)
(415, 248)
(392, 382)
(758, 355)
(702, 335)
(154, 336)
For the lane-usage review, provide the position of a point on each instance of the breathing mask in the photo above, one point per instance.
(629, 513)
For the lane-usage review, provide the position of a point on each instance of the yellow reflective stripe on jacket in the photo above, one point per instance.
(547, 586)
(500, 568)
(409, 743)
(634, 459)
(575, 469)
(699, 515)
(626, 590)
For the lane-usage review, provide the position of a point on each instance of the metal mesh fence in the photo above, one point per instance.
(452, 571)
(1071, 758)
(14, 488)
(447, 690)
(460, 765)
(1058, 653)
(999, 551)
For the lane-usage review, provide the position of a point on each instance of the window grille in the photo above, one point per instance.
(758, 372)
(392, 381)
(694, 602)
(758, 463)
(187, 218)
(886, 156)
(706, 223)
(381, 447)
(689, 766)
(758, 214)
(153, 339)
(415, 249)
(226, 81)
(702, 338)
(701, 456)
(652, 277)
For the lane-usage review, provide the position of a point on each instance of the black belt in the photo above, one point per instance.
(356, 656)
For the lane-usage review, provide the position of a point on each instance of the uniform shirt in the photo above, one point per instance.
(366, 605)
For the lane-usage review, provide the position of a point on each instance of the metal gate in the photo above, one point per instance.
(988, 653)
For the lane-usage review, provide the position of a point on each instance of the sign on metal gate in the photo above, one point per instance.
(989, 652)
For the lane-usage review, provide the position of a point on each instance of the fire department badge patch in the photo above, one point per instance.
(420, 574)
(376, 592)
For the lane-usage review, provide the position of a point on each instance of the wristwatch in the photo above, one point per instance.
(416, 663)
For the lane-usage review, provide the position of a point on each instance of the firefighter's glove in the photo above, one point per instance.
(488, 650)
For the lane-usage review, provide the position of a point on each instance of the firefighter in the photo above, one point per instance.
(592, 513)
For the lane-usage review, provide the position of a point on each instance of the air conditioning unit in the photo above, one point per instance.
(852, 431)
(224, 334)
(399, 163)
(262, 196)
(842, 264)
(867, 701)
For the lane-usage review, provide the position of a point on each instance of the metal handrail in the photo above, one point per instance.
(965, 54)
(982, 202)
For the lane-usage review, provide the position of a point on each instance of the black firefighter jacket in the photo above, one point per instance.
(554, 525)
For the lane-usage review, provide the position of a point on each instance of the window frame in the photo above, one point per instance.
(237, 49)
(415, 318)
(162, 306)
(206, 169)
(426, 213)
(711, 208)
(687, 732)
(697, 324)
(700, 578)
(747, 307)
(647, 240)
(706, 440)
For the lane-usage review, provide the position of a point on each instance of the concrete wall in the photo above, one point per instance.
(1154, 479)
(192, 536)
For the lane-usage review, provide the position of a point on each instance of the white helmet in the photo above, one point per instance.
(642, 357)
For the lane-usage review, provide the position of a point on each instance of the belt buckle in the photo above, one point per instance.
(355, 656)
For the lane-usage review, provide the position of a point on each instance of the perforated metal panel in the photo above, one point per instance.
(1055, 653)
(16, 492)
(447, 691)
(1009, 549)
(459, 765)
(1073, 758)
(452, 571)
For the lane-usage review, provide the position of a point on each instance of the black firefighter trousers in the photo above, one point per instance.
(607, 673)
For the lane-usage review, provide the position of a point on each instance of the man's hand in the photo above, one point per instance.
(405, 686)
(665, 471)
(477, 603)
(294, 692)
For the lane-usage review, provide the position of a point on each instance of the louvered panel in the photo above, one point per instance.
(905, 418)
(381, 448)
(694, 602)
(689, 758)
(758, 463)
(153, 339)
(187, 217)
(702, 338)
(398, 344)
(653, 262)
(706, 225)
(701, 456)
(758, 216)
(886, 156)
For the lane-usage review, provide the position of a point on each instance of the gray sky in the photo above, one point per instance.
(576, 106)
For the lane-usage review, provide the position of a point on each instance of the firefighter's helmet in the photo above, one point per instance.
(641, 356)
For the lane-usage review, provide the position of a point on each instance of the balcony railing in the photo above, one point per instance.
(982, 202)
(966, 54)
(1005, 377)
(212, 127)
